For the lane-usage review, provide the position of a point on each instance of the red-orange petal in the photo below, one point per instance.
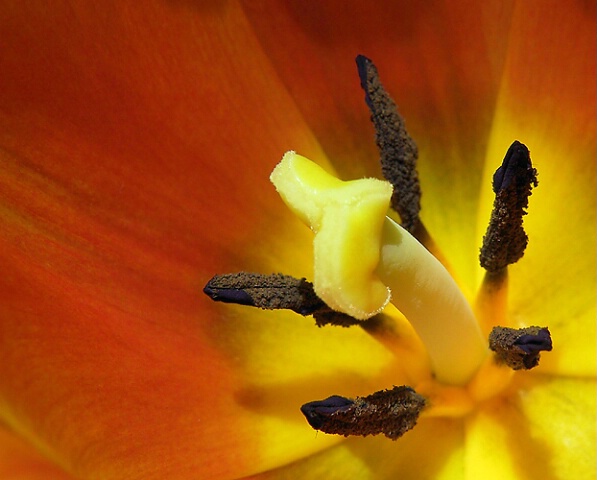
(20, 461)
(136, 147)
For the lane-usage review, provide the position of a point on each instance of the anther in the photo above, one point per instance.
(265, 291)
(274, 292)
(398, 150)
(391, 412)
(505, 240)
(520, 348)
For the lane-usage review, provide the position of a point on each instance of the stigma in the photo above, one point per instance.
(363, 259)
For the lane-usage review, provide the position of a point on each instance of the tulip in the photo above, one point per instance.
(136, 143)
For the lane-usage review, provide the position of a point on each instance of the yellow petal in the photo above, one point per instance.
(545, 429)
(431, 451)
(282, 362)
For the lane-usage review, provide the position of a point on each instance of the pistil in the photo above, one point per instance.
(350, 217)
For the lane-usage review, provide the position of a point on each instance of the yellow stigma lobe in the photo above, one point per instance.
(347, 219)
(360, 255)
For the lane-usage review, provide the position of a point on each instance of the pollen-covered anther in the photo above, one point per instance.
(398, 151)
(275, 292)
(391, 412)
(519, 348)
(505, 240)
(265, 291)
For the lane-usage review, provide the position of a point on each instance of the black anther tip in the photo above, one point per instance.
(533, 344)
(317, 412)
(227, 295)
(515, 165)
(363, 66)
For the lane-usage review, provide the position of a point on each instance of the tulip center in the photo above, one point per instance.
(388, 278)
(364, 260)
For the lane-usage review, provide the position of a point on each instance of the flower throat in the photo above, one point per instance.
(397, 263)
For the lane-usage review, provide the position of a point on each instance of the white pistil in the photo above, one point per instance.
(360, 254)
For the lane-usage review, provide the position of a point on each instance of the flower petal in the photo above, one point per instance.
(547, 101)
(123, 133)
(411, 457)
(20, 461)
(546, 430)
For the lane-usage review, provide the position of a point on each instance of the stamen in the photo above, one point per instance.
(274, 292)
(520, 348)
(505, 240)
(265, 291)
(391, 412)
(491, 305)
(398, 150)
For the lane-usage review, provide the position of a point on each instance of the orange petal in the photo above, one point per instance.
(124, 133)
(20, 461)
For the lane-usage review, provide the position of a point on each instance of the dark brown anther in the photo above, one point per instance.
(269, 292)
(520, 348)
(274, 292)
(505, 240)
(397, 149)
(391, 412)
